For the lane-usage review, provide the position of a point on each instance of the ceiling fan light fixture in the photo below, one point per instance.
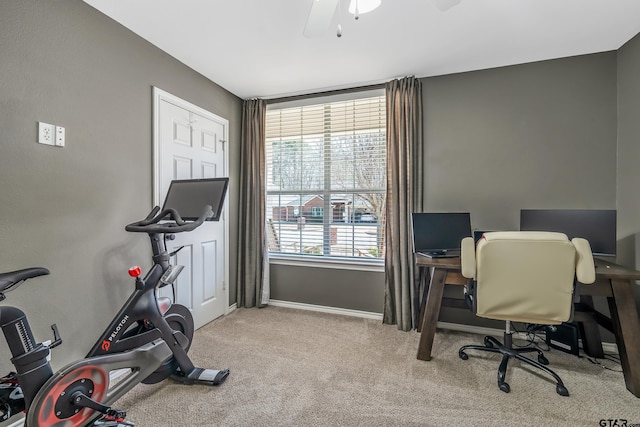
(358, 7)
(445, 5)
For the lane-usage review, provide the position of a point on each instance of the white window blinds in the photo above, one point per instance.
(326, 184)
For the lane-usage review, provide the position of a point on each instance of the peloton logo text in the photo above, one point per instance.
(106, 344)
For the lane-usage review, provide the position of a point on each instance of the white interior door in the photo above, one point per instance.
(191, 143)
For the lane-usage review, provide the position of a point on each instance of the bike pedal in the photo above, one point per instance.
(213, 376)
(11, 397)
(113, 424)
(112, 418)
(108, 422)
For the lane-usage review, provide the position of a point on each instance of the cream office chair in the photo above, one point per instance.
(524, 276)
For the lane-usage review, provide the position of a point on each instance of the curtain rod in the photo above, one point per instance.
(330, 92)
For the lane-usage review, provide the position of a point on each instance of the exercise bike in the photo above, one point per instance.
(147, 341)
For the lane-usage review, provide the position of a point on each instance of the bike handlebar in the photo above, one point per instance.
(176, 225)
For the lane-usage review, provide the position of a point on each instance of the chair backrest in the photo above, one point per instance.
(526, 276)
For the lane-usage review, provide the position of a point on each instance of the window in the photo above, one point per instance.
(326, 177)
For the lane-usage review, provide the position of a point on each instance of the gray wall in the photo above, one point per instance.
(353, 290)
(629, 155)
(63, 62)
(539, 135)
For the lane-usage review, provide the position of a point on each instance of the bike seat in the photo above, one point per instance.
(11, 278)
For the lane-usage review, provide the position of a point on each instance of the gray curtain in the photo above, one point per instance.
(404, 196)
(253, 262)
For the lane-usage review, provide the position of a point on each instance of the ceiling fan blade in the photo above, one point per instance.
(320, 17)
(445, 4)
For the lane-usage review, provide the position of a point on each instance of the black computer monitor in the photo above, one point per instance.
(190, 196)
(439, 231)
(597, 226)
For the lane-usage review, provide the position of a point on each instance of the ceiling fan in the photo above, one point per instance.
(322, 12)
(445, 4)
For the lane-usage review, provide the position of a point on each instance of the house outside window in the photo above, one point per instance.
(326, 177)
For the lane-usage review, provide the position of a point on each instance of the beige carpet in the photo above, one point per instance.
(301, 368)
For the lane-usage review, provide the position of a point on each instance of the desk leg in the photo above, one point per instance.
(589, 329)
(626, 326)
(431, 313)
(424, 286)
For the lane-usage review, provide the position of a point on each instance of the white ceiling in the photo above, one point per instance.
(256, 48)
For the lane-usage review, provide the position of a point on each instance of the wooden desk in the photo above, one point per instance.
(612, 281)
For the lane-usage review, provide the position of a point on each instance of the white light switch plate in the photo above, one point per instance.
(60, 132)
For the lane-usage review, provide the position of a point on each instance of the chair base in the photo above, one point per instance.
(492, 345)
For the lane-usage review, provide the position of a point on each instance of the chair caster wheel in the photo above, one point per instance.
(543, 360)
(463, 355)
(562, 390)
(504, 387)
(487, 343)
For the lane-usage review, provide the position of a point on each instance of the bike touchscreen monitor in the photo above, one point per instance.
(190, 196)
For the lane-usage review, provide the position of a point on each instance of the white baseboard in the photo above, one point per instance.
(232, 307)
(18, 423)
(325, 309)
(610, 348)
(469, 328)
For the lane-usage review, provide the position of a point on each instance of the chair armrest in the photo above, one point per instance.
(468, 257)
(585, 269)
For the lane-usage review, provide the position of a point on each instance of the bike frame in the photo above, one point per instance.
(142, 306)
